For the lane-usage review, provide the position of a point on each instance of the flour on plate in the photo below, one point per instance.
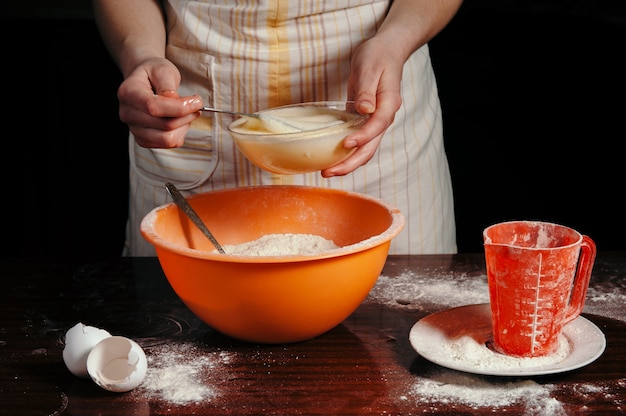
(471, 351)
(282, 245)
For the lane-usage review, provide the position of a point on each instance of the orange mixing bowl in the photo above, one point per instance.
(274, 299)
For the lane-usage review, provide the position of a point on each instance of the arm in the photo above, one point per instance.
(134, 34)
(376, 70)
(410, 24)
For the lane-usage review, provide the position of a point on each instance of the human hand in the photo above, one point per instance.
(150, 106)
(374, 85)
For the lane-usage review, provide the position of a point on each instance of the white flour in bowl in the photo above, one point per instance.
(282, 245)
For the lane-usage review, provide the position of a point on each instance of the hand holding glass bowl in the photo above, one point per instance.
(314, 143)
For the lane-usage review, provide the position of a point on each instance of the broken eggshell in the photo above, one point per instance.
(117, 364)
(79, 341)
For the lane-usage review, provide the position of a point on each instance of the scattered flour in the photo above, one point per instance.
(459, 389)
(606, 301)
(282, 245)
(177, 373)
(412, 291)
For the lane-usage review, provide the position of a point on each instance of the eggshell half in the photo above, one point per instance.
(117, 364)
(79, 340)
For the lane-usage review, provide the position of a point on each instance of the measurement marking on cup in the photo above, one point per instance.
(535, 332)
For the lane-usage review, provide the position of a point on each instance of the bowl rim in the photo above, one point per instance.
(395, 227)
(297, 136)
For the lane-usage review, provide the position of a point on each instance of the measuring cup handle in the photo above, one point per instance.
(583, 275)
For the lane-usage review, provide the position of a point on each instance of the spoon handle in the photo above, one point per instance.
(182, 203)
(236, 113)
(285, 126)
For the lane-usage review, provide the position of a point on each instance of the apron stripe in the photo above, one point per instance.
(248, 55)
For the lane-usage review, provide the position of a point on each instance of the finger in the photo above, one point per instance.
(161, 117)
(375, 126)
(359, 158)
(159, 139)
(161, 106)
(138, 92)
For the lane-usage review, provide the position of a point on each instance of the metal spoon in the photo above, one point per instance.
(268, 121)
(182, 203)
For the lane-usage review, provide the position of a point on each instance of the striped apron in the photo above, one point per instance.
(249, 55)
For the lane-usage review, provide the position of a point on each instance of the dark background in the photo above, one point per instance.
(533, 95)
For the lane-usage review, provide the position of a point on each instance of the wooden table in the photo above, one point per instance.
(366, 365)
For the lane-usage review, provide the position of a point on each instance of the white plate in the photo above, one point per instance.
(457, 338)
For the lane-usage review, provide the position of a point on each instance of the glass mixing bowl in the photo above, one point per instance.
(277, 148)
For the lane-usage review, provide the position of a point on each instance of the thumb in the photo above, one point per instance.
(165, 79)
(168, 93)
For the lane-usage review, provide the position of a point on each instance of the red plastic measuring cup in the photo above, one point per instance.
(538, 275)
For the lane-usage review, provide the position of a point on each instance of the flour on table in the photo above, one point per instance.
(282, 245)
(412, 291)
(606, 300)
(433, 292)
(460, 389)
(180, 374)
